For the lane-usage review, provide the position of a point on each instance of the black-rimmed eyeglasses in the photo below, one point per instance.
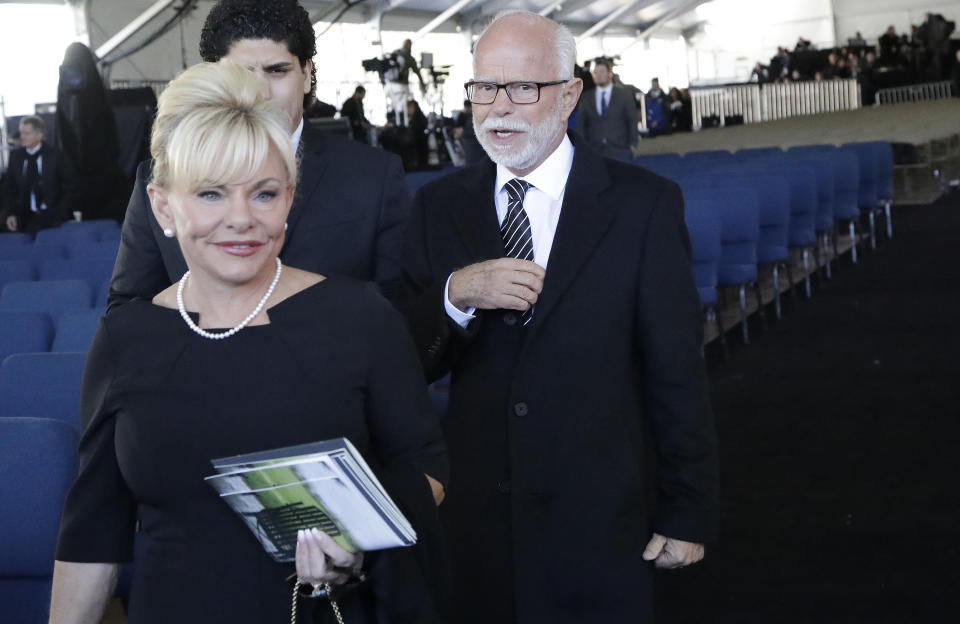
(521, 92)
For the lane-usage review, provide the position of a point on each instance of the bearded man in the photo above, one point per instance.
(555, 286)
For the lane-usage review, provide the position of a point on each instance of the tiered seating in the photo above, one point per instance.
(47, 287)
(775, 207)
(47, 292)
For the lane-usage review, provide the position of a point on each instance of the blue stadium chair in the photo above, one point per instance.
(846, 188)
(14, 239)
(75, 330)
(98, 226)
(42, 385)
(664, 164)
(66, 236)
(35, 254)
(92, 267)
(24, 332)
(16, 271)
(110, 236)
(752, 153)
(703, 225)
(52, 298)
(739, 213)
(416, 179)
(100, 248)
(708, 159)
(802, 235)
(824, 223)
(38, 461)
(867, 197)
(884, 156)
(773, 245)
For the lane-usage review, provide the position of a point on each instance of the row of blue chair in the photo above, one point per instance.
(851, 178)
(70, 233)
(26, 331)
(94, 268)
(750, 210)
(54, 297)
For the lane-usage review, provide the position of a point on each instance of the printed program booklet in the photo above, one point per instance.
(327, 485)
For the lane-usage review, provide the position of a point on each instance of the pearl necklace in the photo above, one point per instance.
(243, 323)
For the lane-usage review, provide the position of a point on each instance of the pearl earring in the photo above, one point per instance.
(285, 226)
(168, 232)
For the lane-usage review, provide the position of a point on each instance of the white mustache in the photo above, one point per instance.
(511, 125)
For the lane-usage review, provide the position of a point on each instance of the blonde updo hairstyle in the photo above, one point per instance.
(216, 125)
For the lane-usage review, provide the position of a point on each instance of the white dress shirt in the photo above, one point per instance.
(600, 92)
(542, 204)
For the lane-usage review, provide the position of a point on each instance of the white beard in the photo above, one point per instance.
(539, 138)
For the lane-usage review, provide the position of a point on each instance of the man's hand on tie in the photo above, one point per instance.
(504, 284)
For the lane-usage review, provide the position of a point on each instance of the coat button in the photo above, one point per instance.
(520, 409)
(510, 319)
(503, 487)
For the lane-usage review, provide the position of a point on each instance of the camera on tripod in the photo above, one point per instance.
(384, 66)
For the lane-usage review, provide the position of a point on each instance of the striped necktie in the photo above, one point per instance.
(515, 229)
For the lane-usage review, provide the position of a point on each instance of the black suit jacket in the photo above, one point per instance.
(56, 181)
(557, 430)
(615, 132)
(347, 218)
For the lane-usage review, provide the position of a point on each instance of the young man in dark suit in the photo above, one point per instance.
(555, 285)
(351, 202)
(37, 186)
(608, 115)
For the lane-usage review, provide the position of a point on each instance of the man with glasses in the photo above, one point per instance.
(555, 286)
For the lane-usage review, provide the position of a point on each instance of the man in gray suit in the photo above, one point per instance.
(608, 115)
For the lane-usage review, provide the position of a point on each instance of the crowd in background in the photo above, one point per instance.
(896, 59)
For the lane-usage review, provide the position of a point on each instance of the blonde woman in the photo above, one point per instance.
(242, 354)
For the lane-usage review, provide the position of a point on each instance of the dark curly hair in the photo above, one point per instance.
(283, 21)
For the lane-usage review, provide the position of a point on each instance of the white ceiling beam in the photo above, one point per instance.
(440, 19)
(635, 5)
(679, 10)
(133, 27)
(563, 10)
(669, 15)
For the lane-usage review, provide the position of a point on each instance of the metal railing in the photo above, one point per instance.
(756, 103)
(914, 93)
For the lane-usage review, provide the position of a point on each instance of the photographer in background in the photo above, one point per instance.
(398, 81)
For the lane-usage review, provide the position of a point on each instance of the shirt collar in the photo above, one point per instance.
(296, 136)
(550, 177)
(36, 149)
(606, 89)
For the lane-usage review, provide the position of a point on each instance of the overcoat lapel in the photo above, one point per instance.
(312, 166)
(476, 218)
(583, 222)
